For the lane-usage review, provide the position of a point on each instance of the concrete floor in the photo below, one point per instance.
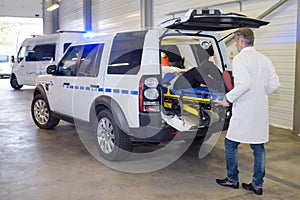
(54, 164)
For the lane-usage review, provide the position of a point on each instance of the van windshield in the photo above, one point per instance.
(4, 58)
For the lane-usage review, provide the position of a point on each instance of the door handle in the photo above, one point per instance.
(66, 85)
(94, 86)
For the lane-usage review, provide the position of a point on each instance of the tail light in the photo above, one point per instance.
(149, 96)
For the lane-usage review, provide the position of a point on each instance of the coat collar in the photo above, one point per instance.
(252, 48)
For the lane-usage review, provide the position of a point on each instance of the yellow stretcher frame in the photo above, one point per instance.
(186, 106)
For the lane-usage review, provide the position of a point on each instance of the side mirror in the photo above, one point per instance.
(12, 59)
(51, 69)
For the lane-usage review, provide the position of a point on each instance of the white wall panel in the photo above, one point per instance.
(71, 15)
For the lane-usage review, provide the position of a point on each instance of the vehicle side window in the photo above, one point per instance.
(126, 53)
(68, 66)
(66, 45)
(90, 60)
(173, 54)
(21, 54)
(44, 52)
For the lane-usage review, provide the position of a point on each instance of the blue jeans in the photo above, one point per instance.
(231, 151)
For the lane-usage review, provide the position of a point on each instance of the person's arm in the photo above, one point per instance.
(273, 81)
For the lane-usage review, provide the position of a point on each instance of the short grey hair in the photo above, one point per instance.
(246, 34)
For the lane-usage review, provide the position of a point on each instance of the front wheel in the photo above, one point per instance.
(113, 143)
(41, 113)
(14, 82)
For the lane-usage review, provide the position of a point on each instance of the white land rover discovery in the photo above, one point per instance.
(123, 84)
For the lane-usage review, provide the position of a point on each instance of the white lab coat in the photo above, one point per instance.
(254, 80)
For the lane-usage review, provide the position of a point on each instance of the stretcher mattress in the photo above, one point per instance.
(195, 93)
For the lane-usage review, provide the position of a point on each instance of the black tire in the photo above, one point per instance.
(14, 82)
(112, 142)
(41, 113)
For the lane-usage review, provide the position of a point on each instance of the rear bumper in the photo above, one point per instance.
(168, 133)
(4, 74)
(153, 129)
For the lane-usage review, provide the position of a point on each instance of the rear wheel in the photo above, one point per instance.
(41, 113)
(113, 143)
(14, 83)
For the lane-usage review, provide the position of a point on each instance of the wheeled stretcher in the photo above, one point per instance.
(194, 106)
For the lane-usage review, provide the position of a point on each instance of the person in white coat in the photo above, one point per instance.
(254, 80)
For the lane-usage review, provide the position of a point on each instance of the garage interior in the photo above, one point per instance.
(54, 164)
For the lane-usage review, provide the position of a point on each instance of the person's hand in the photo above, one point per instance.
(223, 103)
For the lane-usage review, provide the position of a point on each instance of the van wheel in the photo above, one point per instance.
(14, 83)
(113, 143)
(41, 113)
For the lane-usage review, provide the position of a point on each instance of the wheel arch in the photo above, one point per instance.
(39, 89)
(106, 102)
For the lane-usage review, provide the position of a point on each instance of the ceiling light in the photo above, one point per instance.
(53, 7)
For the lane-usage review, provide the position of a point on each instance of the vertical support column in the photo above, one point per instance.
(296, 122)
(146, 13)
(55, 18)
(87, 14)
(50, 18)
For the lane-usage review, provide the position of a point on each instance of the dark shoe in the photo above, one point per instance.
(228, 183)
(256, 190)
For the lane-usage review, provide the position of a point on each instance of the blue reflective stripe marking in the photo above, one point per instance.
(108, 90)
(116, 91)
(134, 92)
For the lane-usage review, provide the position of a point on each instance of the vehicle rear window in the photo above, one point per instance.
(126, 53)
(174, 56)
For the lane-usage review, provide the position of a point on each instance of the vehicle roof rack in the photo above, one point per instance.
(69, 31)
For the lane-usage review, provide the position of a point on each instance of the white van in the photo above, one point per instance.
(5, 65)
(36, 53)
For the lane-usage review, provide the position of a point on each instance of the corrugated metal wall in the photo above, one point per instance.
(277, 40)
(117, 15)
(71, 15)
